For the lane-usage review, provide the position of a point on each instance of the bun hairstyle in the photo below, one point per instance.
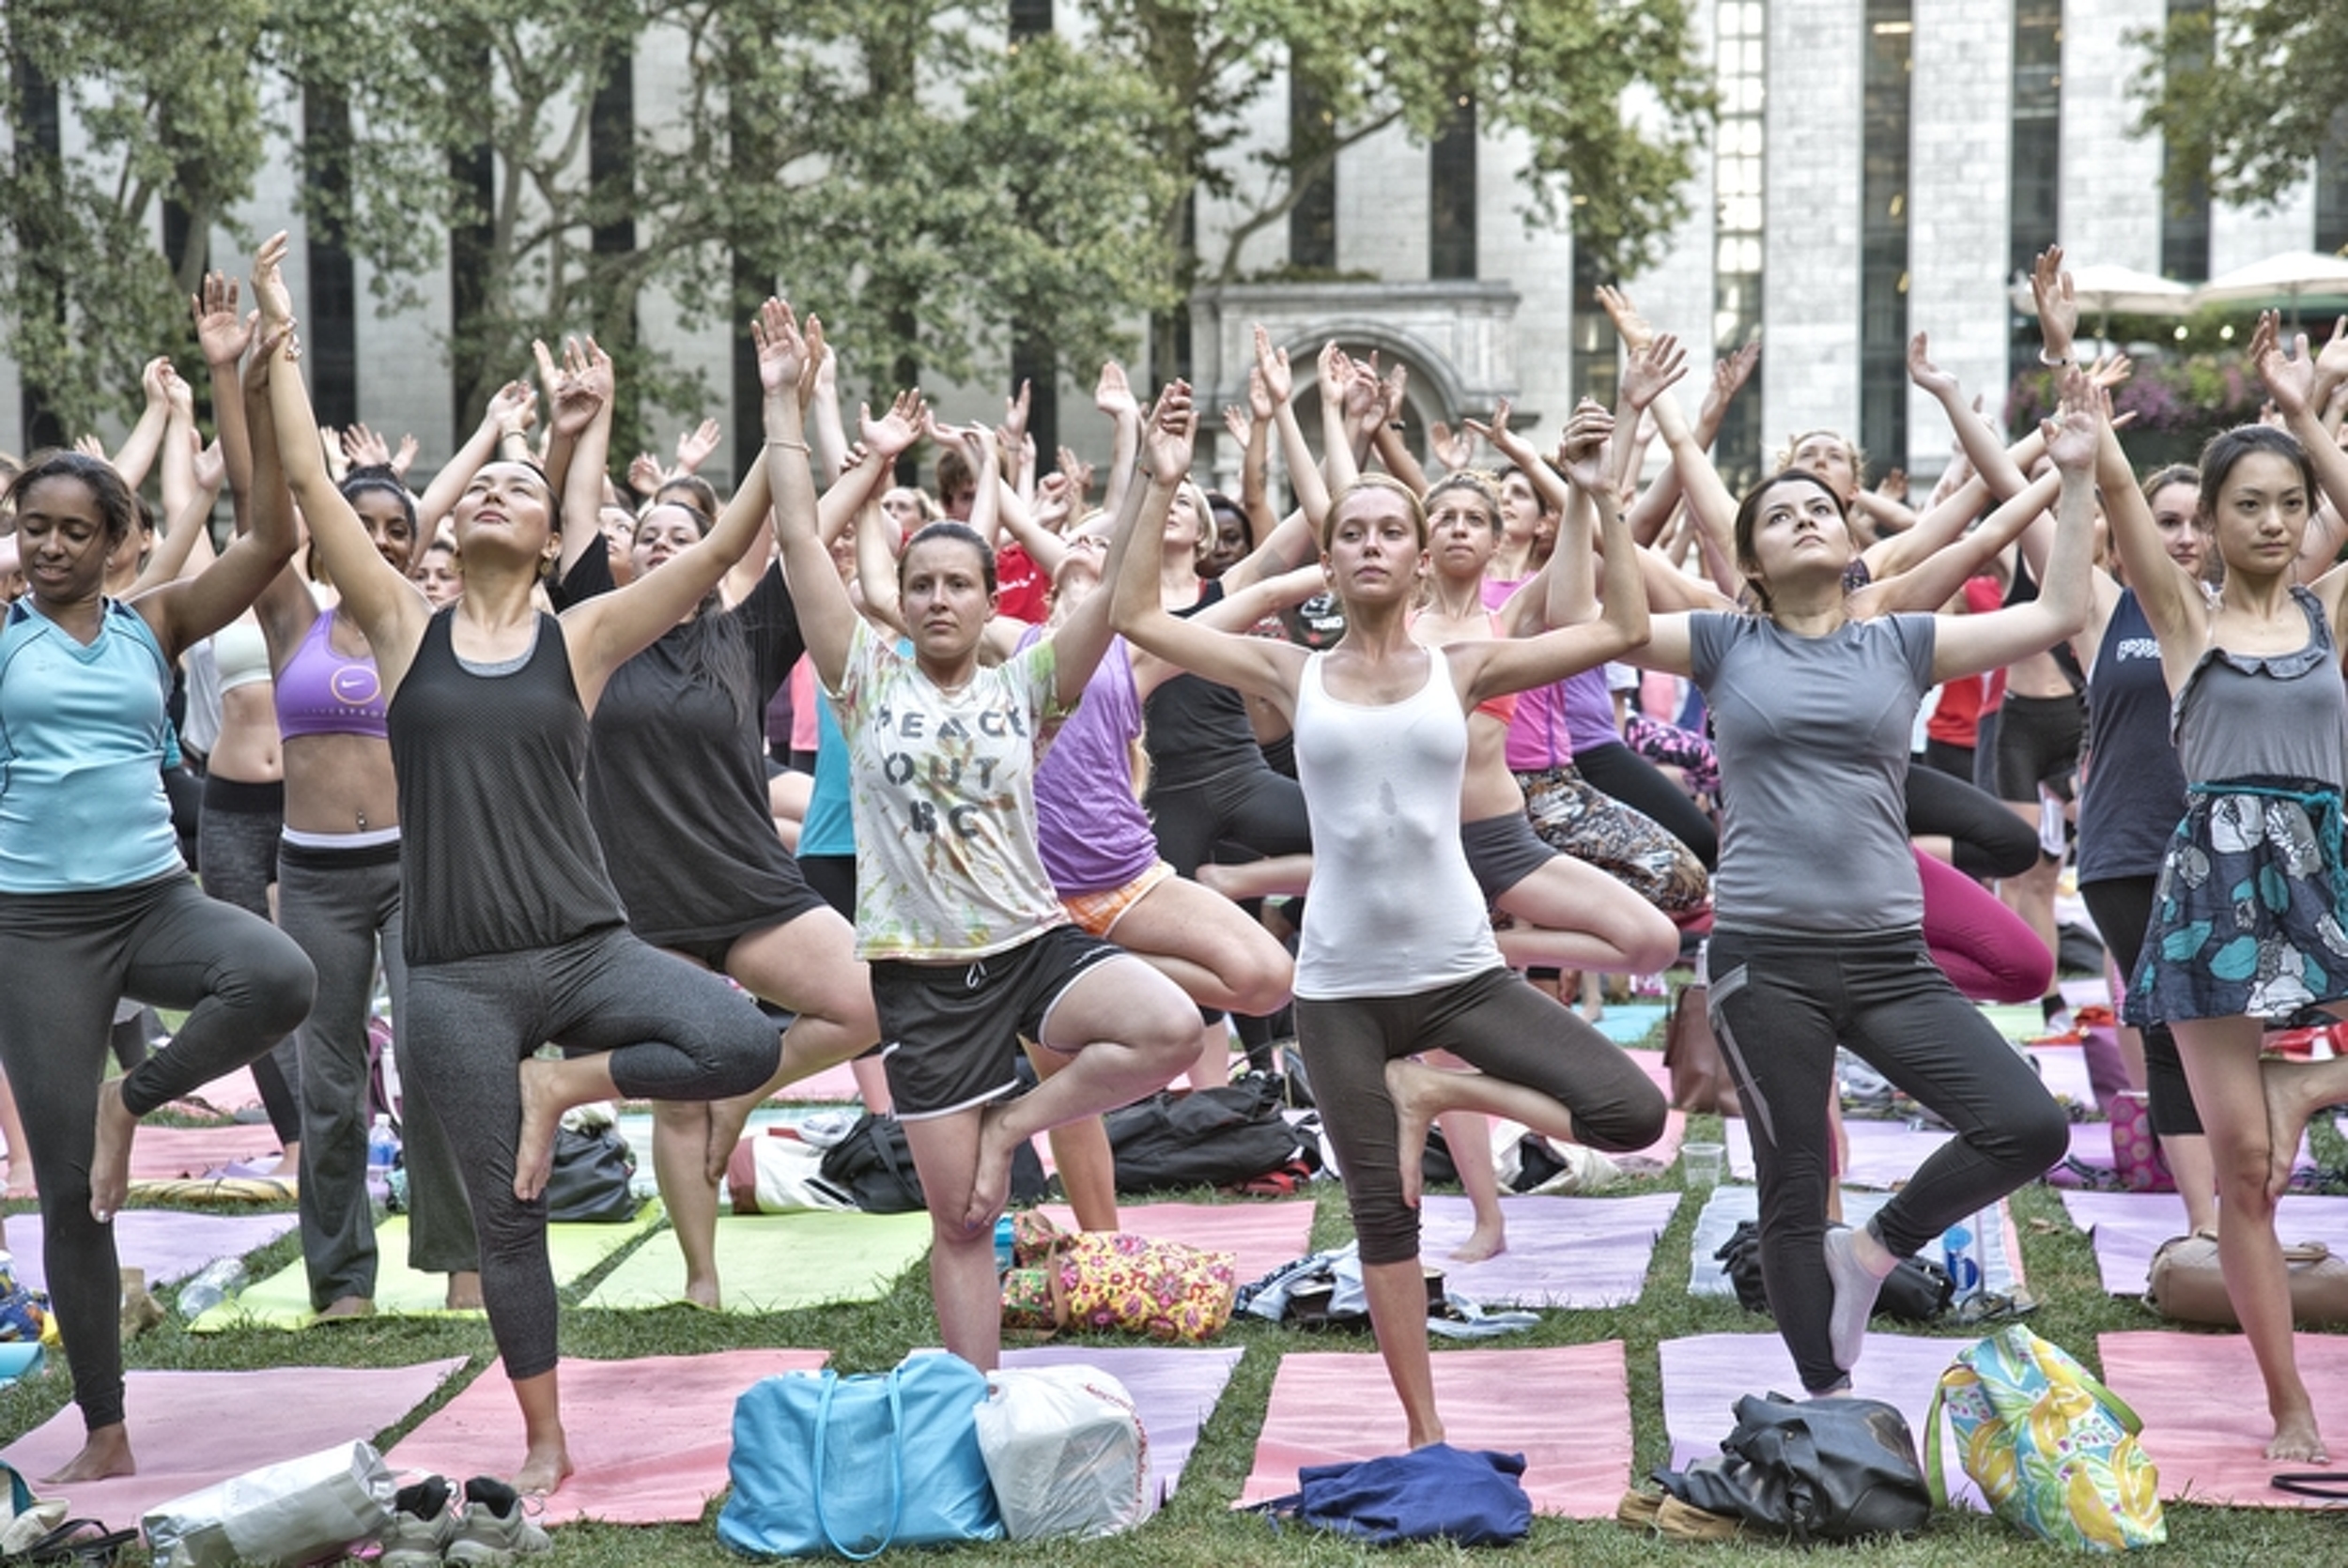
(1749, 523)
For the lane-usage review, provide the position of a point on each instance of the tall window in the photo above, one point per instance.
(330, 325)
(1739, 191)
(2185, 220)
(1030, 18)
(1451, 197)
(1313, 221)
(2033, 161)
(2331, 185)
(1032, 359)
(1597, 370)
(40, 154)
(1883, 231)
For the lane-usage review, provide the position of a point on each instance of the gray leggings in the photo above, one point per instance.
(68, 957)
(1496, 1023)
(1779, 1005)
(340, 905)
(673, 1032)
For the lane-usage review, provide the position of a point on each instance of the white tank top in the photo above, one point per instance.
(1394, 909)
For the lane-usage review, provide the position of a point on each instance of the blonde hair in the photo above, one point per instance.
(1374, 481)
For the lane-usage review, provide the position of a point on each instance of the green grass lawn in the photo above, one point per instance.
(1197, 1527)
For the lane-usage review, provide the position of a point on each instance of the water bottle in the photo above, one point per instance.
(382, 1154)
(219, 1280)
(1003, 1232)
(1961, 1254)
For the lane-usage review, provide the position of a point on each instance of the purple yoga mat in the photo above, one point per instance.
(1174, 1393)
(1562, 1252)
(1705, 1376)
(2090, 1147)
(1882, 1154)
(2128, 1227)
(169, 1245)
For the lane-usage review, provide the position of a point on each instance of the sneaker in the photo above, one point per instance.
(423, 1522)
(493, 1529)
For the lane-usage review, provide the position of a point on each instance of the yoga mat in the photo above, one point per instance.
(230, 1093)
(1174, 1393)
(2090, 1147)
(1562, 1252)
(832, 1085)
(1261, 1236)
(2001, 1267)
(1657, 1158)
(2205, 1422)
(2016, 1021)
(2063, 1070)
(1629, 1022)
(1328, 1408)
(650, 1436)
(1705, 1374)
(192, 1429)
(1651, 1063)
(2128, 1227)
(177, 1153)
(282, 1299)
(1882, 1154)
(778, 1262)
(169, 1246)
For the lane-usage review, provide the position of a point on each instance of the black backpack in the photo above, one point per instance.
(1918, 1291)
(1211, 1137)
(873, 1165)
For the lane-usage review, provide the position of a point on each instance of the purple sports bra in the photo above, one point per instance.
(321, 693)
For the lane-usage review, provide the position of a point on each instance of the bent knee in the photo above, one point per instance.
(1636, 1123)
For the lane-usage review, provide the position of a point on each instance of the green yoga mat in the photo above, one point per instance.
(779, 1262)
(282, 1299)
(2017, 1021)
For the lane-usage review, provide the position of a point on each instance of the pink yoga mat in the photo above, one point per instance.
(1706, 1374)
(1651, 1063)
(1568, 1410)
(2205, 1422)
(2128, 1227)
(1562, 1252)
(232, 1092)
(169, 1246)
(191, 1429)
(174, 1153)
(1174, 1393)
(1262, 1235)
(650, 1436)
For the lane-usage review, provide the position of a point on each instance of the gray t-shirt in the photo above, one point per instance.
(1812, 735)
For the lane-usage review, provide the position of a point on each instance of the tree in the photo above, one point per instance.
(2244, 94)
(1563, 73)
(169, 111)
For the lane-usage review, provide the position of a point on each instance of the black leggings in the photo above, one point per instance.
(1779, 1006)
(70, 956)
(1638, 783)
(2122, 907)
(1988, 838)
(1496, 1023)
(1249, 805)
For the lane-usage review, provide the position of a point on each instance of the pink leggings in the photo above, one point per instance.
(1988, 951)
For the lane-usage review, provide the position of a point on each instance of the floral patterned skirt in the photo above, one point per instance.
(2249, 916)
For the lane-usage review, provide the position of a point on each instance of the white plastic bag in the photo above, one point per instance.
(293, 1512)
(1064, 1447)
(781, 1176)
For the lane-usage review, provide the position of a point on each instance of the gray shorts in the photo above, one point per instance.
(1502, 852)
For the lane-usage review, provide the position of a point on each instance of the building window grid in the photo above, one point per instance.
(1883, 230)
(1739, 191)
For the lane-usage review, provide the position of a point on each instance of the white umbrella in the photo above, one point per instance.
(2105, 291)
(2285, 280)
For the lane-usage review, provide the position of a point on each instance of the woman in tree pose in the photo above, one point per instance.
(96, 904)
(512, 933)
(1398, 954)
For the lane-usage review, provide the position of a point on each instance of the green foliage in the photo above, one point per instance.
(2245, 92)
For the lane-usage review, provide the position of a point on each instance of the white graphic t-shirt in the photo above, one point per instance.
(943, 786)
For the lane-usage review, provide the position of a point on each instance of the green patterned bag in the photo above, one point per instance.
(2052, 1448)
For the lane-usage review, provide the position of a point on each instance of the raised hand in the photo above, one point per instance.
(365, 449)
(781, 346)
(270, 293)
(178, 396)
(1079, 475)
(1397, 386)
(2290, 377)
(646, 476)
(1113, 394)
(1259, 395)
(405, 457)
(1239, 422)
(1334, 368)
(2076, 433)
(1650, 370)
(1582, 451)
(1055, 503)
(1365, 399)
(513, 407)
(211, 466)
(2058, 304)
(1729, 376)
(2331, 364)
(1629, 324)
(1280, 382)
(578, 394)
(1014, 426)
(698, 445)
(1168, 439)
(1496, 429)
(224, 334)
(1928, 376)
(151, 381)
(1454, 448)
(896, 430)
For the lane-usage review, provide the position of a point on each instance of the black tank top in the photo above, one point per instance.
(496, 853)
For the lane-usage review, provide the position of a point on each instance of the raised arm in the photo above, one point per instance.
(138, 453)
(1253, 436)
(1969, 644)
(1981, 444)
(1653, 511)
(1312, 492)
(1933, 581)
(826, 615)
(2296, 384)
(1114, 396)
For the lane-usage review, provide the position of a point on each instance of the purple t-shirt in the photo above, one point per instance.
(1539, 736)
(1093, 833)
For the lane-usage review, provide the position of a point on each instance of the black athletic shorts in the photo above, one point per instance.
(949, 1032)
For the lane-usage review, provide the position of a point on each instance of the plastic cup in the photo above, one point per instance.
(1702, 1164)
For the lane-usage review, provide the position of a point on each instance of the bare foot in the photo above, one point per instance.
(2297, 1440)
(702, 1291)
(343, 1308)
(1483, 1241)
(727, 1118)
(1427, 1435)
(990, 1189)
(110, 1161)
(1417, 1095)
(105, 1452)
(464, 1291)
(544, 1467)
(542, 1114)
(2288, 1107)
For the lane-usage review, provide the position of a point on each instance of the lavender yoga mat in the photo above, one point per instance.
(174, 1153)
(2128, 1227)
(1882, 1154)
(2205, 1422)
(191, 1429)
(651, 1434)
(1706, 1374)
(1568, 1410)
(169, 1245)
(2001, 1267)
(1562, 1252)
(2090, 1147)
(1261, 1235)
(1174, 1393)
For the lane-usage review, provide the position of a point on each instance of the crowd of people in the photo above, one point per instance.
(1026, 808)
